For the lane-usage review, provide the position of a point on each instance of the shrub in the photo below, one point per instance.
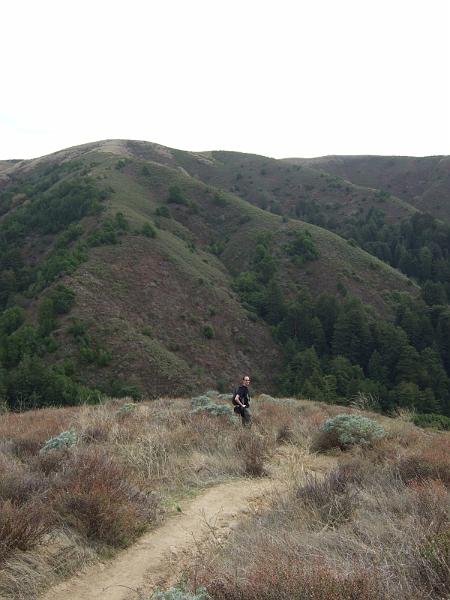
(126, 409)
(177, 594)
(284, 434)
(253, 451)
(214, 409)
(219, 199)
(176, 195)
(204, 404)
(148, 230)
(199, 401)
(331, 499)
(96, 498)
(63, 299)
(163, 211)
(21, 527)
(66, 439)
(208, 332)
(432, 420)
(346, 430)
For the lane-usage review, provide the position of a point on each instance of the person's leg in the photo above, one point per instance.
(246, 417)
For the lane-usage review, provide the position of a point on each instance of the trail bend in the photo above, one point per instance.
(153, 558)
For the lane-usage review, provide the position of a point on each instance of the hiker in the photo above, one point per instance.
(241, 401)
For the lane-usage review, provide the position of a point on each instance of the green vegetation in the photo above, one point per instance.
(432, 420)
(178, 594)
(208, 332)
(53, 207)
(348, 430)
(148, 230)
(66, 439)
(163, 211)
(110, 231)
(177, 195)
(301, 247)
(334, 347)
(205, 404)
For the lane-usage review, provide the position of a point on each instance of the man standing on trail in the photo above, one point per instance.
(241, 401)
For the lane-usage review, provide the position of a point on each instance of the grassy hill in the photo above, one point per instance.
(154, 307)
(422, 182)
(299, 190)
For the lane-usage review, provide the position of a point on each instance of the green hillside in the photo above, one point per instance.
(423, 182)
(130, 268)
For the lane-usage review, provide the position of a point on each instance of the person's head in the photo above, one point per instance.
(246, 380)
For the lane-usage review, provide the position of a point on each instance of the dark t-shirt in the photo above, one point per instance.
(244, 394)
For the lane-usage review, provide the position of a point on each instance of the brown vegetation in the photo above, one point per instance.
(375, 527)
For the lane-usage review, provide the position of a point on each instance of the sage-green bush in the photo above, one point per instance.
(346, 430)
(63, 440)
(177, 594)
(126, 409)
(204, 404)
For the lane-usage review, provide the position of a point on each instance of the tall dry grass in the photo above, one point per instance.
(374, 527)
(126, 469)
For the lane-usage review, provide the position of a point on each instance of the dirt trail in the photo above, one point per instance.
(151, 558)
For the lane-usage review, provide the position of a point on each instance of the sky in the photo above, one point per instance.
(281, 78)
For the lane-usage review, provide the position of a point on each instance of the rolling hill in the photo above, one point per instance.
(421, 182)
(132, 268)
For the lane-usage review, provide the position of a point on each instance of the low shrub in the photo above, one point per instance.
(204, 404)
(21, 526)
(126, 409)
(432, 420)
(214, 409)
(208, 332)
(66, 439)
(285, 434)
(332, 499)
(177, 594)
(345, 430)
(253, 451)
(96, 498)
(148, 230)
(281, 577)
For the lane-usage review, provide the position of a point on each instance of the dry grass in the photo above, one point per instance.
(375, 527)
(108, 488)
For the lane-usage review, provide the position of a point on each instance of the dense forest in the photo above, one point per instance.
(335, 348)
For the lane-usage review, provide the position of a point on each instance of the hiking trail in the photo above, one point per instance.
(154, 558)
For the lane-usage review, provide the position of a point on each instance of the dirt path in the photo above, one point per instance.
(153, 559)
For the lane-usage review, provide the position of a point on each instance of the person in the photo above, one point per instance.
(241, 402)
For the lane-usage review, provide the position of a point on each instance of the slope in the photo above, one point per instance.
(152, 269)
(423, 182)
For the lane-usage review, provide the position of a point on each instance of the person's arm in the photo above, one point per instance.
(238, 400)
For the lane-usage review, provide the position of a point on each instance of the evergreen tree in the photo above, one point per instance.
(352, 337)
(408, 367)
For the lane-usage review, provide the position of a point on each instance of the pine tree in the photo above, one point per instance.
(352, 336)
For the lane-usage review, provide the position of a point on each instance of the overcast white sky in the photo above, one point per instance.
(280, 77)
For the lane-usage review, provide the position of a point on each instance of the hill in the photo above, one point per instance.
(422, 182)
(150, 251)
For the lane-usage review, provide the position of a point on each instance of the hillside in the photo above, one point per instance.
(422, 182)
(298, 191)
(154, 306)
